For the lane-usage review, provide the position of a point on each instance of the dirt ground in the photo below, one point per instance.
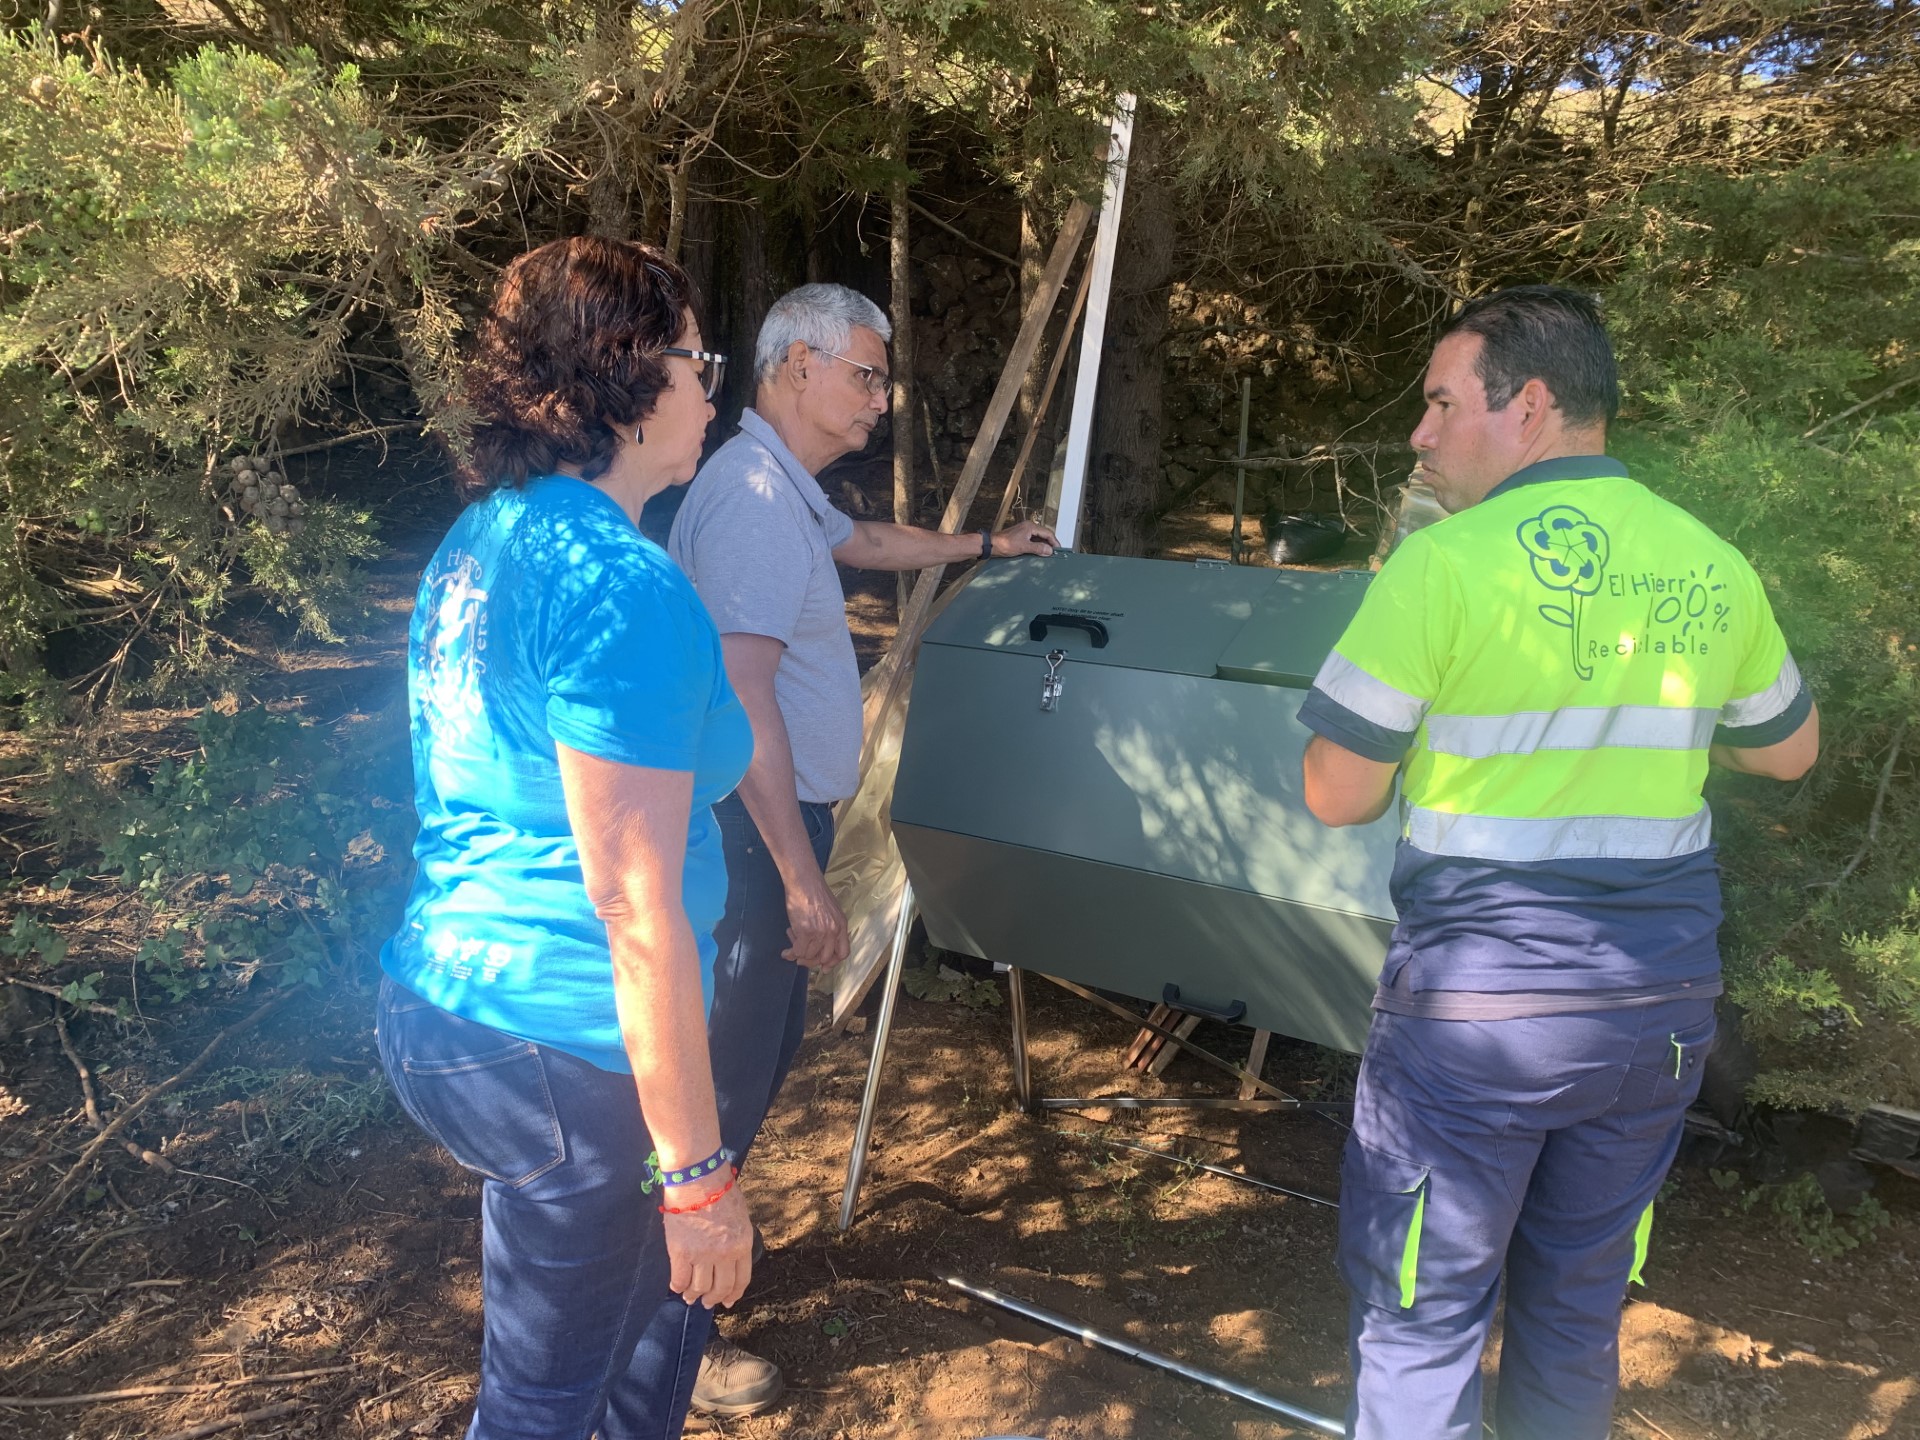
(289, 1249)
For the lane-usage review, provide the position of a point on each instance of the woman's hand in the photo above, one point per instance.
(711, 1249)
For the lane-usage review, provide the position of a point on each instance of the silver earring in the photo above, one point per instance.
(638, 438)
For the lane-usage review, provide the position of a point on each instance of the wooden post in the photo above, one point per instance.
(891, 668)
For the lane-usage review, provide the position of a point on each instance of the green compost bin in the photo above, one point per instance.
(1147, 829)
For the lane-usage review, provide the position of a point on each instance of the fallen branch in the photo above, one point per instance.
(1853, 410)
(141, 1392)
(139, 1152)
(348, 438)
(90, 1006)
(214, 1427)
(23, 1227)
(959, 234)
(1873, 815)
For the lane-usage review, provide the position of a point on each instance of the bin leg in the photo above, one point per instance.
(1017, 1004)
(889, 995)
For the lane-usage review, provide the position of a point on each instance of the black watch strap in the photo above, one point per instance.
(986, 543)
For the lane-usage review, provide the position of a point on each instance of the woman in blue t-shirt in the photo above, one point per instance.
(543, 1014)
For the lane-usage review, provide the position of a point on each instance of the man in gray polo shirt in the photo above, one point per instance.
(759, 539)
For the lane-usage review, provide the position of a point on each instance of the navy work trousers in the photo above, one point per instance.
(1538, 1144)
(581, 1335)
(759, 999)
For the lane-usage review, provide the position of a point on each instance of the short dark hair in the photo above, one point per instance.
(1546, 333)
(572, 341)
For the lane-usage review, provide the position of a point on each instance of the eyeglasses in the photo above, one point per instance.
(877, 381)
(713, 367)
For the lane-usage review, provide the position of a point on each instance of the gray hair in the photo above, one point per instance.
(820, 316)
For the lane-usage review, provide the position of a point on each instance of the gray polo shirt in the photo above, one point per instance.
(756, 536)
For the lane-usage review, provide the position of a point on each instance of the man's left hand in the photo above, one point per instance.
(1028, 537)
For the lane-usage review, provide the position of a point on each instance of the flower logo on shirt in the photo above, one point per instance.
(1569, 554)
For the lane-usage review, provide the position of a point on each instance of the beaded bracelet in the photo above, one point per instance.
(703, 1204)
(686, 1174)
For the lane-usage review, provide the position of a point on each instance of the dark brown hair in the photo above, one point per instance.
(1549, 333)
(572, 341)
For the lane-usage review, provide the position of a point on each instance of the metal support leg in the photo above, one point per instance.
(1017, 1003)
(889, 996)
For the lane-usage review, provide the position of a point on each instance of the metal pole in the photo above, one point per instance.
(1240, 471)
(863, 1132)
(1220, 1170)
(1325, 1424)
(1106, 243)
(1017, 1003)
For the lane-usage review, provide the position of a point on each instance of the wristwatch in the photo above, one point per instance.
(986, 543)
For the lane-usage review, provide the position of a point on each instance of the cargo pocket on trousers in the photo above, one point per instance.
(493, 1111)
(1383, 1208)
(1688, 1053)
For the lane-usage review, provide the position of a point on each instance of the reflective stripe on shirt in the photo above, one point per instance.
(1368, 697)
(1572, 837)
(1772, 701)
(1635, 727)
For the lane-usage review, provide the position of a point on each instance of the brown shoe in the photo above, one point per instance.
(735, 1382)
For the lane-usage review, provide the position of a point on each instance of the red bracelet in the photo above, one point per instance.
(711, 1199)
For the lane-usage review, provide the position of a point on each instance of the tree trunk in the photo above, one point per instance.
(1124, 473)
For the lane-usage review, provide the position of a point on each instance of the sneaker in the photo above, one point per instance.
(735, 1382)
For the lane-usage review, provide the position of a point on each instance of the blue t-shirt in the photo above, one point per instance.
(545, 617)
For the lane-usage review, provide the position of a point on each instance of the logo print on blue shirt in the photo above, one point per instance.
(455, 642)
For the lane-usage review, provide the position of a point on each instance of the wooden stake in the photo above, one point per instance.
(1170, 1052)
(1256, 1060)
(1046, 399)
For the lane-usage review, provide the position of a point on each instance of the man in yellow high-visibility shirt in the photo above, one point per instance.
(1549, 670)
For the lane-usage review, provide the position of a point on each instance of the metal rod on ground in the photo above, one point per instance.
(1240, 471)
(1220, 1170)
(869, 1102)
(1325, 1424)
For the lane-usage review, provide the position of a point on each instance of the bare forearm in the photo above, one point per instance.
(1342, 788)
(879, 545)
(1788, 760)
(663, 1023)
(771, 796)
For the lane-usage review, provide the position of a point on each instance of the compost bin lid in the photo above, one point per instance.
(1173, 616)
(1294, 626)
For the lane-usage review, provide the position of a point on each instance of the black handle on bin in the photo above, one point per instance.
(1037, 627)
(1227, 1013)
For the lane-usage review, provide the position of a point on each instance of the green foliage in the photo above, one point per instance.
(1799, 1209)
(32, 938)
(1767, 322)
(185, 260)
(943, 984)
(1784, 293)
(295, 1113)
(262, 851)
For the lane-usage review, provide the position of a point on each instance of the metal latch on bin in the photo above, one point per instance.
(1050, 686)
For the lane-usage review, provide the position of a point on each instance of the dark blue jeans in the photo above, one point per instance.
(1536, 1144)
(759, 999)
(582, 1335)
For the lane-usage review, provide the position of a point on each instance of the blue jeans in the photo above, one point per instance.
(759, 999)
(582, 1335)
(1536, 1144)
